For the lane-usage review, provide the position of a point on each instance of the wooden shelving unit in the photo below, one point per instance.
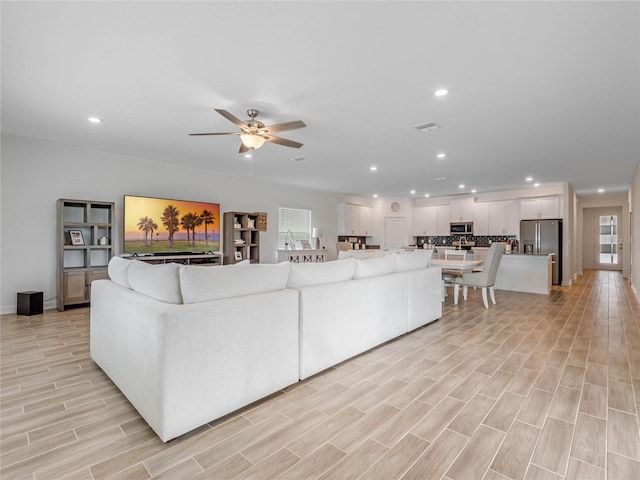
(241, 237)
(82, 263)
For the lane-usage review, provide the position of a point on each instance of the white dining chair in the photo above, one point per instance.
(484, 279)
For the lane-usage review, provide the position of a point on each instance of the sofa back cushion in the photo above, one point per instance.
(118, 271)
(306, 274)
(156, 281)
(412, 261)
(201, 284)
(372, 267)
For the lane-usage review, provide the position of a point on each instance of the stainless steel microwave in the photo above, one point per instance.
(462, 228)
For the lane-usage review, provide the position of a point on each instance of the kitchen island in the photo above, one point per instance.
(522, 272)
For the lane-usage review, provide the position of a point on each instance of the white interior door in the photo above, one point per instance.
(395, 235)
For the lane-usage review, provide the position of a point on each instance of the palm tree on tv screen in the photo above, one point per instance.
(187, 222)
(143, 225)
(170, 221)
(197, 221)
(153, 226)
(207, 218)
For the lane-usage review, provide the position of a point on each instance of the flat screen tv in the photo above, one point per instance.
(165, 226)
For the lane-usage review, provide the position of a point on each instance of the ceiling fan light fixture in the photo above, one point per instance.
(251, 140)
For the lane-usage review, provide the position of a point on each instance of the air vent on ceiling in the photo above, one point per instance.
(427, 127)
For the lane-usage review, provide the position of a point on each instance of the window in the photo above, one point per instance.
(293, 224)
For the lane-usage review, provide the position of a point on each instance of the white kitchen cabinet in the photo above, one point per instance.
(481, 218)
(425, 221)
(355, 220)
(496, 218)
(365, 220)
(444, 220)
(513, 217)
(540, 207)
(461, 210)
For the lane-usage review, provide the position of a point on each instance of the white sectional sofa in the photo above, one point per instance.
(189, 344)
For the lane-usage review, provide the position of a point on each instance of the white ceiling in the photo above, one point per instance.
(548, 89)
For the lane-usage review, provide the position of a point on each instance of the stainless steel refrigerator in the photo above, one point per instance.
(541, 237)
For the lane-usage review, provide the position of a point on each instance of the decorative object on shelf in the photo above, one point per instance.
(76, 237)
(251, 223)
(103, 241)
(237, 255)
(316, 234)
(253, 133)
(262, 221)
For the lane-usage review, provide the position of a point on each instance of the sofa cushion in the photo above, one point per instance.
(305, 274)
(411, 261)
(156, 281)
(372, 267)
(118, 271)
(201, 284)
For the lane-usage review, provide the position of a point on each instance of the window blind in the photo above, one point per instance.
(296, 222)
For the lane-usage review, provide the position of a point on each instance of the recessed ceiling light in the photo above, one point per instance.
(375, 195)
(474, 190)
(413, 192)
(528, 179)
(426, 195)
(248, 155)
(439, 179)
(601, 190)
(461, 185)
(441, 155)
(441, 93)
(536, 184)
(95, 120)
(373, 168)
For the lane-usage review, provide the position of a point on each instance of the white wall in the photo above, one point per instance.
(34, 174)
(634, 229)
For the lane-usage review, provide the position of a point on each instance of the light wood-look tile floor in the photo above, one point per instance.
(536, 387)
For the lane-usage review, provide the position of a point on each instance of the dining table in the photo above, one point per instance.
(464, 266)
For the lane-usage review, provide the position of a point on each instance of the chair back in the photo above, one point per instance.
(343, 246)
(491, 263)
(454, 254)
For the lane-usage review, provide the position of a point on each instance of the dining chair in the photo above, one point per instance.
(484, 279)
(449, 275)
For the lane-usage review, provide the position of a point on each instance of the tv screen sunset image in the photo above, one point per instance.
(154, 225)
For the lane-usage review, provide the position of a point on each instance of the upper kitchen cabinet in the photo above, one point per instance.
(481, 218)
(355, 220)
(444, 220)
(496, 218)
(540, 207)
(461, 210)
(425, 221)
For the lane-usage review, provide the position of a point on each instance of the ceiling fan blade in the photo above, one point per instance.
(232, 118)
(223, 133)
(243, 148)
(282, 141)
(281, 127)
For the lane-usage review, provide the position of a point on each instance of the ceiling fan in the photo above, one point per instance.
(254, 133)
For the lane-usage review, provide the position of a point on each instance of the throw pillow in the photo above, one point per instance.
(201, 284)
(373, 267)
(412, 261)
(305, 274)
(161, 282)
(118, 270)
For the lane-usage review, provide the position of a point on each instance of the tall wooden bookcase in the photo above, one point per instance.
(241, 237)
(85, 246)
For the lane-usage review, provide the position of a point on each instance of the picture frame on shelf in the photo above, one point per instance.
(76, 237)
(238, 255)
